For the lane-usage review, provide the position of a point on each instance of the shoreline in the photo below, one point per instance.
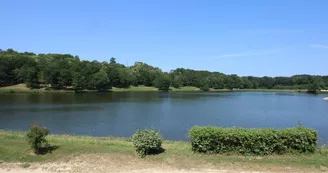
(14, 149)
(20, 88)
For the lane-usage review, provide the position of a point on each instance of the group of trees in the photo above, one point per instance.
(66, 71)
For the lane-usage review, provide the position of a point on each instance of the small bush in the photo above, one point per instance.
(147, 142)
(253, 141)
(36, 137)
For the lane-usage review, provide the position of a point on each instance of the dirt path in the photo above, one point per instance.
(128, 164)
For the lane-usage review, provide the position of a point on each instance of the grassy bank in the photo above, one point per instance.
(21, 88)
(14, 148)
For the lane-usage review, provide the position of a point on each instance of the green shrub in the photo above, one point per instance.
(147, 142)
(162, 82)
(36, 137)
(252, 141)
(205, 88)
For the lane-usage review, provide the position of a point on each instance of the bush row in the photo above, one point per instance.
(253, 141)
(209, 139)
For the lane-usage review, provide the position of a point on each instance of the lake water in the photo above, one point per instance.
(121, 114)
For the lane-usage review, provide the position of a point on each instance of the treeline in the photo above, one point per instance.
(60, 71)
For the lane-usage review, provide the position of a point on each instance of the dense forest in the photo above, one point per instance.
(60, 71)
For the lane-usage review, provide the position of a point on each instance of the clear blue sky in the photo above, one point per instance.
(244, 37)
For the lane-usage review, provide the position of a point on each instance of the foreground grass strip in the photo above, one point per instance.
(14, 148)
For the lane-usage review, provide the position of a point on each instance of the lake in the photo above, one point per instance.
(122, 113)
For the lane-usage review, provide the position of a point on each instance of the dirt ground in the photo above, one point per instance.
(128, 164)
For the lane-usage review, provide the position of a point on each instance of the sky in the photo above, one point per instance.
(244, 37)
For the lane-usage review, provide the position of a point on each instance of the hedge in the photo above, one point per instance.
(208, 139)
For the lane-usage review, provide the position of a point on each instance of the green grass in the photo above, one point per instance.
(148, 88)
(14, 148)
(184, 89)
(21, 88)
(134, 89)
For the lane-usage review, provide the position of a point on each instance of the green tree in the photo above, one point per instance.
(99, 81)
(247, 84)
(126, 77)
(64, 70)
(205, 87)
(112, 60)
(176, 82)
(145, 74)
(267, 82)
(315, 85)
(228, 82)
(216, 81)
(30, 76)
(162, 82)
(65, 77)
(80, 82)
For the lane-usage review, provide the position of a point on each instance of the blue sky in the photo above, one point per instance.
(244, 37)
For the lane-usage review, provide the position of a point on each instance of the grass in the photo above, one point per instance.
(26, 165)
(14, 148)
(21, 88)
(134, 89)
(184, 89)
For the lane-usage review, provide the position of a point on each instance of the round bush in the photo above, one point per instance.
(147, 142)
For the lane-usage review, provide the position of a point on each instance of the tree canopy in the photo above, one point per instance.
(65, 70)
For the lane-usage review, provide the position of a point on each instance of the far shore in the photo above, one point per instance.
(21, 88)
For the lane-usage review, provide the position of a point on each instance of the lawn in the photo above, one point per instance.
(14, 148)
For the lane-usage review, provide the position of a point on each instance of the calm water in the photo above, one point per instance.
(120, 114)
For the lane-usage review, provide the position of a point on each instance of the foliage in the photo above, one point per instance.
(36, 137)
(13, 149)
(61, 71)
(147, 141)
(126, 77)
(205, 87)
(209, 139)
(315, 85)
(79, 82)
(145, 74)
(99, 81)
(162, 82)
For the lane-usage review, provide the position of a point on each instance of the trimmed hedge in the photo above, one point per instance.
(209, 139)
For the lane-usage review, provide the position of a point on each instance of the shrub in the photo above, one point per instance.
(205, 88)
(162, 82)
(252, 141)
(36, 137)
(147, 142)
